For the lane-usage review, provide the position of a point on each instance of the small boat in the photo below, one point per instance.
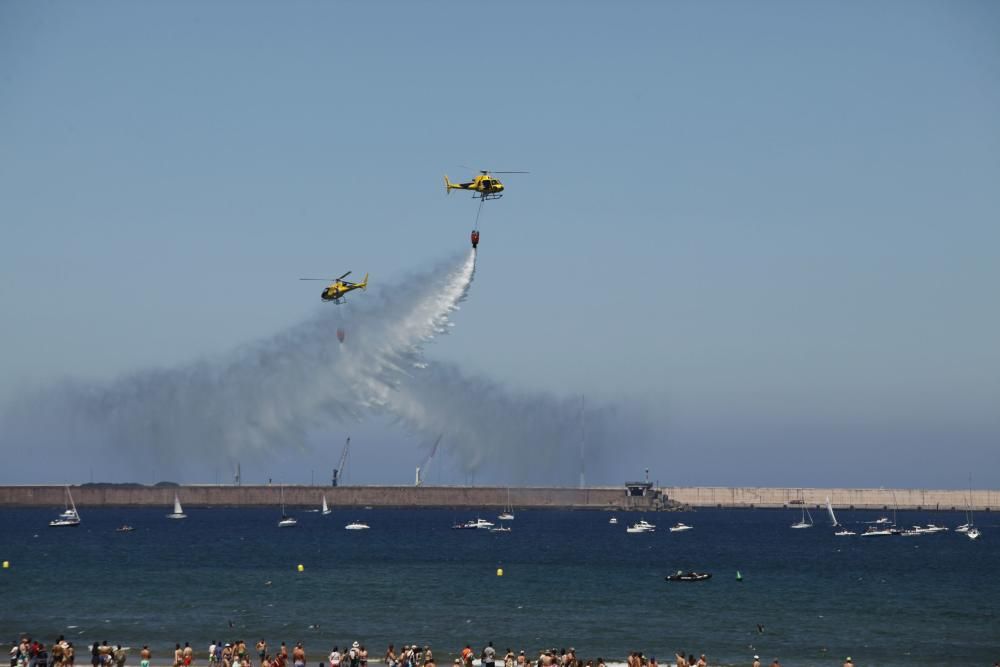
(124, 528)
(286, 521)
(501, 529)
(326, 508)
(356, 525)
(843, 532)
(881, 521)
(802, 523)
(641, 526)
(913, 532)
(477, 524)
(613, 521)
(932, 528)
(69, 517)
(964, 528)
(178, 512)
(688, 576)
(508, 510)
(972, 533)
(875, 531)
(680, 527)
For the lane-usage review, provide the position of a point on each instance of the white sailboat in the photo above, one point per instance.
(326, 508)
(69, 517)
(508, 510)
(802, 523)
(178, 512)
(286, 521)
(972, 533)
(836, 524)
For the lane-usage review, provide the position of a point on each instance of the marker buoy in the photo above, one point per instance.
(499, 571)
(6, 565)
(739, 577)
(301, 568)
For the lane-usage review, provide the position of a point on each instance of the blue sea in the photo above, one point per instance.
(569, 579)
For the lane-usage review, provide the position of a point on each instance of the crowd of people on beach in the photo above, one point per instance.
(27, 652)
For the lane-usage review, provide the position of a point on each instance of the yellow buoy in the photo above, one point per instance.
(301, 568)
(6, 564)
(499, 571)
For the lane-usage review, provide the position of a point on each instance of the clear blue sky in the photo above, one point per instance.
(772, 227)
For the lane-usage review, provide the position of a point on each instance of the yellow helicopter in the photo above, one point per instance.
(484, 186)
(336, 290)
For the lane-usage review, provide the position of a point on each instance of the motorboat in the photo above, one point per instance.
(972, 533)
(912, 532)
(964, 528)
(881, 521)
(124, 528)
(476, 524)
(501, 529)
(680, 527)
(613, 521)
(356, 525)
(876, 531)
(689, 576)
(641, 526)
(844, 532)
(506, 516)
(69, 517)
(802, 523)
(932, 528)
(178, 512)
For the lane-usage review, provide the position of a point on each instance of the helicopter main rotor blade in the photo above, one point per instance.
(326, 280)
(343, 276)
(510, 172)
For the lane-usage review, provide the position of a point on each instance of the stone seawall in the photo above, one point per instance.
(343, 496)
(597, 498)
(945, 499)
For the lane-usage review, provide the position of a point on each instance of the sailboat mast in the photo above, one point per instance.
(583, 439)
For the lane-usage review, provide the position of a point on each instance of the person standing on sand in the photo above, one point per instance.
(178, 655)
(756, 661)
(262, 650)
(508, 658)
(389, 658)
(144, 656)
(299, 655)
(120, 655)
(187, 654)
(702, 662)
(489, 655)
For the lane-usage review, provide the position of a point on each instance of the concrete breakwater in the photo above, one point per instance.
(595, 498)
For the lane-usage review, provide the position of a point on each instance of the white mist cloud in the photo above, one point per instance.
(265, 397)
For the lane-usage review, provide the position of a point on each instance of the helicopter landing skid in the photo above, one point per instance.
(487, 197)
